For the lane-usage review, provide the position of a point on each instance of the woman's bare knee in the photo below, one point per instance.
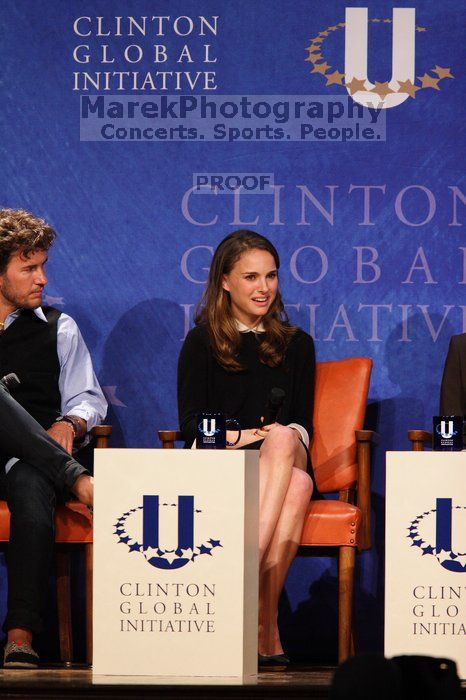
(281, 440)
(300, 488)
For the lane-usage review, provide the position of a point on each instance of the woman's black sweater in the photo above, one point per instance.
(205, 386)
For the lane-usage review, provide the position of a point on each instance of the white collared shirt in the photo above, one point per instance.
(245, 329)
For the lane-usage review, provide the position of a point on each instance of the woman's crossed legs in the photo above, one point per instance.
(285, 492)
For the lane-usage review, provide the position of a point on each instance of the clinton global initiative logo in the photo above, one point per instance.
(163, 532)
(446, 430)
(208, 426)
(403, 84)
(434, 532)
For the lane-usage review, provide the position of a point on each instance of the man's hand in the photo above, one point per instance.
(83, 489)
(63, 433)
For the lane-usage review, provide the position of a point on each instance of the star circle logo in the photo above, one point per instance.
(403, 84)
(432, 532)
(142, 528)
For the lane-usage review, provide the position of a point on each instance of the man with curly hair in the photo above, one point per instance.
(56, 403)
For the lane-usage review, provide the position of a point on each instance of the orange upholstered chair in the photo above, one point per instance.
(340, 454)
(73, 526)
(341, 459)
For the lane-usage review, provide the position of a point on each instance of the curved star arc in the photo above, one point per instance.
(381, 89)
(150, 553)
(442, 555)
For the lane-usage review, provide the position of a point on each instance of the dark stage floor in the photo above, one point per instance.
(77, 683)
(300, 682)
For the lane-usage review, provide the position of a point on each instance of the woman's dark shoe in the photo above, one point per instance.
(273, 662)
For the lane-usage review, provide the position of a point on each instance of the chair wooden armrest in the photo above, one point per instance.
(101, 433)
(367, 436)
(418, 438)
(169, 437)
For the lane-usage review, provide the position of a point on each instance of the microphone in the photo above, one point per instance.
(10, 381)
(274, 403)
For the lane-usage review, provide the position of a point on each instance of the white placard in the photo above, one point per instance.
(425, 589)
(175, 563)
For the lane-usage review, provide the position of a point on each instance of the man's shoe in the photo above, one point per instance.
(20, 656)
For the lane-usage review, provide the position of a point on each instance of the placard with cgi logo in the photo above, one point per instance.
(175, 563)
(425, 577)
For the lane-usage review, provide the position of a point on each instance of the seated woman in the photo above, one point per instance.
(242, 347)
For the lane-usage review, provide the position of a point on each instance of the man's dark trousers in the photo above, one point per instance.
(44, 473)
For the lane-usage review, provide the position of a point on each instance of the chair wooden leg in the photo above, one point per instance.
(346, 563)
(64, 606)
(88, 552)
(353, 641)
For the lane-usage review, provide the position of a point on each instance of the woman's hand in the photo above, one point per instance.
(250, 435)
(264, 430)
(247, 436)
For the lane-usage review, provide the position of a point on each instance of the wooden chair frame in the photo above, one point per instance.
(419, 438)
(101, 433)
(360, 497)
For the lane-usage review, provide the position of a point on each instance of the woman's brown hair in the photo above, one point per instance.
(214, 308)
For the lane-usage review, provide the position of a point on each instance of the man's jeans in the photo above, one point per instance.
(45, 471)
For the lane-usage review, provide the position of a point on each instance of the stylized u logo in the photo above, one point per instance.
(444, 535)
(208, 427)
(403, 54)
(151, 529)
(446, 432)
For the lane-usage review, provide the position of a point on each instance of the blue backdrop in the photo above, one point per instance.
(370, 232)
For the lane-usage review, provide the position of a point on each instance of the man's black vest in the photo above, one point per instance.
(29, 348)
